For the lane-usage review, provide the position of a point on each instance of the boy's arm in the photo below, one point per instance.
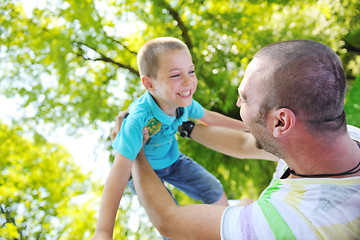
(235, 143)
(112, 193)
(186, 222)
(212, 118)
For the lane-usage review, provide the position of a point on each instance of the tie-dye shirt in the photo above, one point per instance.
(311, 208)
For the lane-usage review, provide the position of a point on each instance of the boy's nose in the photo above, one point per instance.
(186, 81)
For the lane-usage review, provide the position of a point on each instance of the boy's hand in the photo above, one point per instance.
(119, 119)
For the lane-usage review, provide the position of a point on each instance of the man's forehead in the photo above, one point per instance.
(250, 74)
(261, 65)
(240, 92)
(259, 70)
(255, 76)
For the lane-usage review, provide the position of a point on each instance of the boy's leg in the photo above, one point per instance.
(193, 179)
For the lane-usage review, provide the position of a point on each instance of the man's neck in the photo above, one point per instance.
(314, 157)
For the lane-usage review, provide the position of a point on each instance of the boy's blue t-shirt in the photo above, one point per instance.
(161, 149)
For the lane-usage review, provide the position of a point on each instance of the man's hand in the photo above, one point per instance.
(101, 236)
(119, 119)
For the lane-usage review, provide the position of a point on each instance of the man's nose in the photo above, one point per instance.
(239, 102)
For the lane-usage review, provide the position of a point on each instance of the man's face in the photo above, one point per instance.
(252, 92)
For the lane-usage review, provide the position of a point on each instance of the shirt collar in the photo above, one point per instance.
(162, 116)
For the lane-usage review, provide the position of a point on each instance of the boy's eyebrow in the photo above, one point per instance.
(173, 69)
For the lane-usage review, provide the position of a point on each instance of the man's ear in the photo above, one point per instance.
(147, 82)
(282, 122)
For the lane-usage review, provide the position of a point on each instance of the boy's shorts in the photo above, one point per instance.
(192, 178)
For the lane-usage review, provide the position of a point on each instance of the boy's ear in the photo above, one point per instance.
(147, 82)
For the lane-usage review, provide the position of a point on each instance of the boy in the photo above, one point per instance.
(168, 74)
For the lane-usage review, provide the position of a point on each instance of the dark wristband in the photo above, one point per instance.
(186, 129)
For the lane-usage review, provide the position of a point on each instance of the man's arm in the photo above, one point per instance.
(112, 193)
(179, 222)
(235, 143)
(212, 118)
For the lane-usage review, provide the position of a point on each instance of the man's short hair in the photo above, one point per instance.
(309, 79)
(149, 53)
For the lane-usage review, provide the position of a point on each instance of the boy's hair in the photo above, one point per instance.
(148, 55)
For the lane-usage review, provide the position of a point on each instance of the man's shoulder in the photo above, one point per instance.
(354, 132)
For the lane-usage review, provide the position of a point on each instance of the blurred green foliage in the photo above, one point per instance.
(73, 63)
(38, 186)
(352, 103)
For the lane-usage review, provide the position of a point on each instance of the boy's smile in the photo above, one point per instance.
(185, 94)
(176, 81)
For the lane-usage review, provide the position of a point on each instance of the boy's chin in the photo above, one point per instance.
(186, 104)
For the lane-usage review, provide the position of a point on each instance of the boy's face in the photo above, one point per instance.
(176, 81)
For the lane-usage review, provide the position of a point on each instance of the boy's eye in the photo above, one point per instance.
(175, 76)
(192, 72)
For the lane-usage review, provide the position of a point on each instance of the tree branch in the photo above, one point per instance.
(120, 43)
(123, 45)
(184, 30)
(105, 58)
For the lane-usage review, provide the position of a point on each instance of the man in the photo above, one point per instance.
(291, 99)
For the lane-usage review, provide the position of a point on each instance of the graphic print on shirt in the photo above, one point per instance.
(333, 195)
(153, 126)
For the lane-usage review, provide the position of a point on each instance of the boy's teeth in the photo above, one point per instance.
(184, 94)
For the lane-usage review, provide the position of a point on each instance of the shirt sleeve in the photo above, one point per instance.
(354, 132)
(128, 142)
(230, 223)
(196, 111)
